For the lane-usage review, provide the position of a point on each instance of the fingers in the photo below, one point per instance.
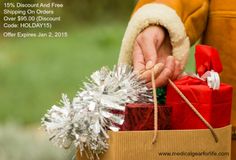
(149, 41)
(149, 51)
(138, 59)
(166, 73)
(178, 70)
(171, 70)
(147, 74)
(152, 47)
(158, 69)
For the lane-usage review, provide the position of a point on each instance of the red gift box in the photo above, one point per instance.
(213, 105)
(140, 116)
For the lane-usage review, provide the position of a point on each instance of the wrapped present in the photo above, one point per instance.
(140, 116)
(214, 105)
(207, 59)
(210, 97)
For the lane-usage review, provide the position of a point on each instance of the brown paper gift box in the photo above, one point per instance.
(200, 144)
(137, 145)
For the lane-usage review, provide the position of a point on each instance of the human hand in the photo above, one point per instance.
(152, 51)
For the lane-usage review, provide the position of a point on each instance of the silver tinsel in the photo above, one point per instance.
(93, 111)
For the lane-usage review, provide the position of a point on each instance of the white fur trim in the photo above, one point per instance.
(157, 14)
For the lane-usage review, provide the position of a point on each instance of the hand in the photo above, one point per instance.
(152, 51)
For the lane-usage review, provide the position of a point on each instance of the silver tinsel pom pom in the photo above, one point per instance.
(85, 121)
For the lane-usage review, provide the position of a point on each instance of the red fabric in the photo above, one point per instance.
(214, 105)
(207, 58)
(140, 116)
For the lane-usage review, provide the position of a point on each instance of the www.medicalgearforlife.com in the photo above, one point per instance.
(194, 154)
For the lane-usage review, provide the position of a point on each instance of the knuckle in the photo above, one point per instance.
(136, 46)
(161, 82)
(140, 38)
(172, 67)
(143, 38)
(169, 72)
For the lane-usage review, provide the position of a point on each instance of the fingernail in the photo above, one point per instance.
(157, 67)
(149, 65)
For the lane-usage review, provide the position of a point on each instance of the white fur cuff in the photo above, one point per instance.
(157, 14)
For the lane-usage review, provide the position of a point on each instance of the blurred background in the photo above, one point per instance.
(34, 72)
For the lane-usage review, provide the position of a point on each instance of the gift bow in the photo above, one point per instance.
(212, 78)
(208, 65)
